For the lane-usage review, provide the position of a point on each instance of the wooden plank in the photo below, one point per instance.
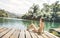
(44, 36)
(39, 36)
(15, 34)
(27, 34)
(22, 34)
(5, 32)
(50, 35)
(33, 35)
(8, 34)
(57, 29)
(1, 28)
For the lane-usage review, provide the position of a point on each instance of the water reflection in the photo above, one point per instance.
(23, 24)
(9, 23)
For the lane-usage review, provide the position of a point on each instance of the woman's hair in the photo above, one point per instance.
(42, 19)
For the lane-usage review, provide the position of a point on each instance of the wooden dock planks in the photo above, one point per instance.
(44, 36)
(50, 35)
(1, 30)
(15, 33)
(5, 32)
(8, 34)
(57, 29)
(27, 34)
(22, 34)
(39, 36)
(33, 35)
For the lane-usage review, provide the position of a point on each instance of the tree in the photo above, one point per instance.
(55, 9)
(46, 10)
(33, 12)
(3, 13)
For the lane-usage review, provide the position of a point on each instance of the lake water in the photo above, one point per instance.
(22, 24)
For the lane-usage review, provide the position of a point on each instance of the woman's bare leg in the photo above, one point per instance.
(33, 28)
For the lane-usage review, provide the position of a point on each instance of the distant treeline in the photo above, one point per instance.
(3, 13)
(49, 12)
(7, 14)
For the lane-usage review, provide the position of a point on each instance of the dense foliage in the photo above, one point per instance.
(49, 12)
(3, 13)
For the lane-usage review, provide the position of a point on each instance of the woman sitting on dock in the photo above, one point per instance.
(38, 30)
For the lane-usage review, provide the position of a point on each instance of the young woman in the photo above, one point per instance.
(41, 26)
(38, 30)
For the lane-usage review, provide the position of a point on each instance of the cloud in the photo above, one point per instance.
(21, 6)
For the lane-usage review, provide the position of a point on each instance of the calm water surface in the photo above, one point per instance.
(23, 24)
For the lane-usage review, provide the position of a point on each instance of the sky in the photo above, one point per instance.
(21, 6)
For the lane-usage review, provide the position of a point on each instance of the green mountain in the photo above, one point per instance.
(4, 13)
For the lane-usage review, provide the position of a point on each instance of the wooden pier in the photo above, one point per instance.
(55, 31)
(16, 33)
